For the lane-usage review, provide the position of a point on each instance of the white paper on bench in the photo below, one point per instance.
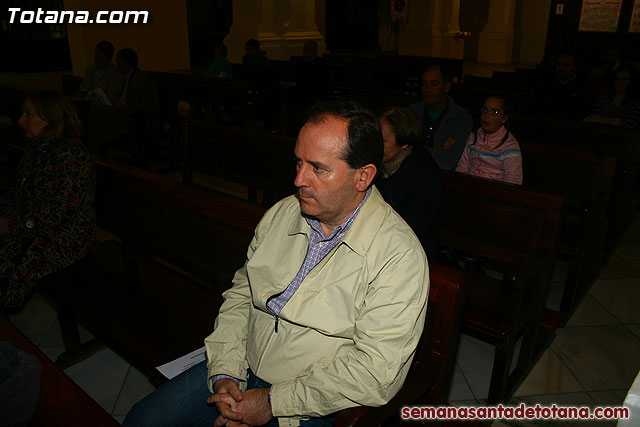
(181, 364)
(102, 97)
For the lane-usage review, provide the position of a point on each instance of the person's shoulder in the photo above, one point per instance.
(71, 152)
(422, 157)
(395, 236)
(71, 146)
(111, 69)
(416, 106)
(289, 207)
(456, 110)
(511, 141)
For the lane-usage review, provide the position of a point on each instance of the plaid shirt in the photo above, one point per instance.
(319, 247)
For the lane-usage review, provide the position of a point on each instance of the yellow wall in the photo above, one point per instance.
(529, 26)
(162, 44)
(473, 18)
(531, 31)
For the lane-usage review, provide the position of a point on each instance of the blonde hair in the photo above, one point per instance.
(55, 109)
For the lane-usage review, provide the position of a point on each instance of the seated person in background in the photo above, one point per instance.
(255, 60)
(48, 220)
(493, 152)
(326, 312)
(595, 81)
(445, 125)
(132, 117)
(139, 92)
(410, 180)
(563, 94)
(102, 74)
(621, 105)
(309, 77)
(220, 67)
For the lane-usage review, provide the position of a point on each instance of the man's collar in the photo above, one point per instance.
(317, 226)
(364, 227)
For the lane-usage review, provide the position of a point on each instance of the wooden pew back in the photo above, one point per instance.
(203, 233)
(210, 96)
(258, 160)
(499, 215)
(580, 176)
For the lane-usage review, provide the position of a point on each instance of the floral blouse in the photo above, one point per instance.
(50, 214)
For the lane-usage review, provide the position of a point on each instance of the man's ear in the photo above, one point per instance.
(364, 176)
(447, 87)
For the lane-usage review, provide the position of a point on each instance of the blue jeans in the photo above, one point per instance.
(182, 401)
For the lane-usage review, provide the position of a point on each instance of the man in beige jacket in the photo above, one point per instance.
(328, 309)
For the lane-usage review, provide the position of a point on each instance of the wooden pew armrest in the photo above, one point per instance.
(590, 207)
(522, 270)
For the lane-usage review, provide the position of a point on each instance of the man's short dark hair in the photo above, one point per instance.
(129, 56)
(106, 48)
(364, 143)
(446, 74)
(253, 43)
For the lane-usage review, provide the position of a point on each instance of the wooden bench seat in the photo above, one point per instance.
(511, 232)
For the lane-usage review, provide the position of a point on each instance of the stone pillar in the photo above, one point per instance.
(447, 40)
(275, 14)
(496, 39)
(302, 27)
(414, 37)
(281, 26)
(247, 14)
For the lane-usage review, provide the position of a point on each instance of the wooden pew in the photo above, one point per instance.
(260, 161)
(585, 181)
(153, 293)
(513, 231)
(221, 100)
(61, 402)
(601, 141)
(430, 375)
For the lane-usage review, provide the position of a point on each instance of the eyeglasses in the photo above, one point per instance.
(492, 111)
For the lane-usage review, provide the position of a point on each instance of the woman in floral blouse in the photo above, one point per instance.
(48, 220)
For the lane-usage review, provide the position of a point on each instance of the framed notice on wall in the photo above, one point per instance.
(634, 24)
(600, 15)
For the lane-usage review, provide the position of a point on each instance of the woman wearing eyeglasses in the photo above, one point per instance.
(493, 152)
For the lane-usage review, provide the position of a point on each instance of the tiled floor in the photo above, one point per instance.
(592, 361)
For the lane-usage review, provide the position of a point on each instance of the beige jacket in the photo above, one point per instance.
(349, 333)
